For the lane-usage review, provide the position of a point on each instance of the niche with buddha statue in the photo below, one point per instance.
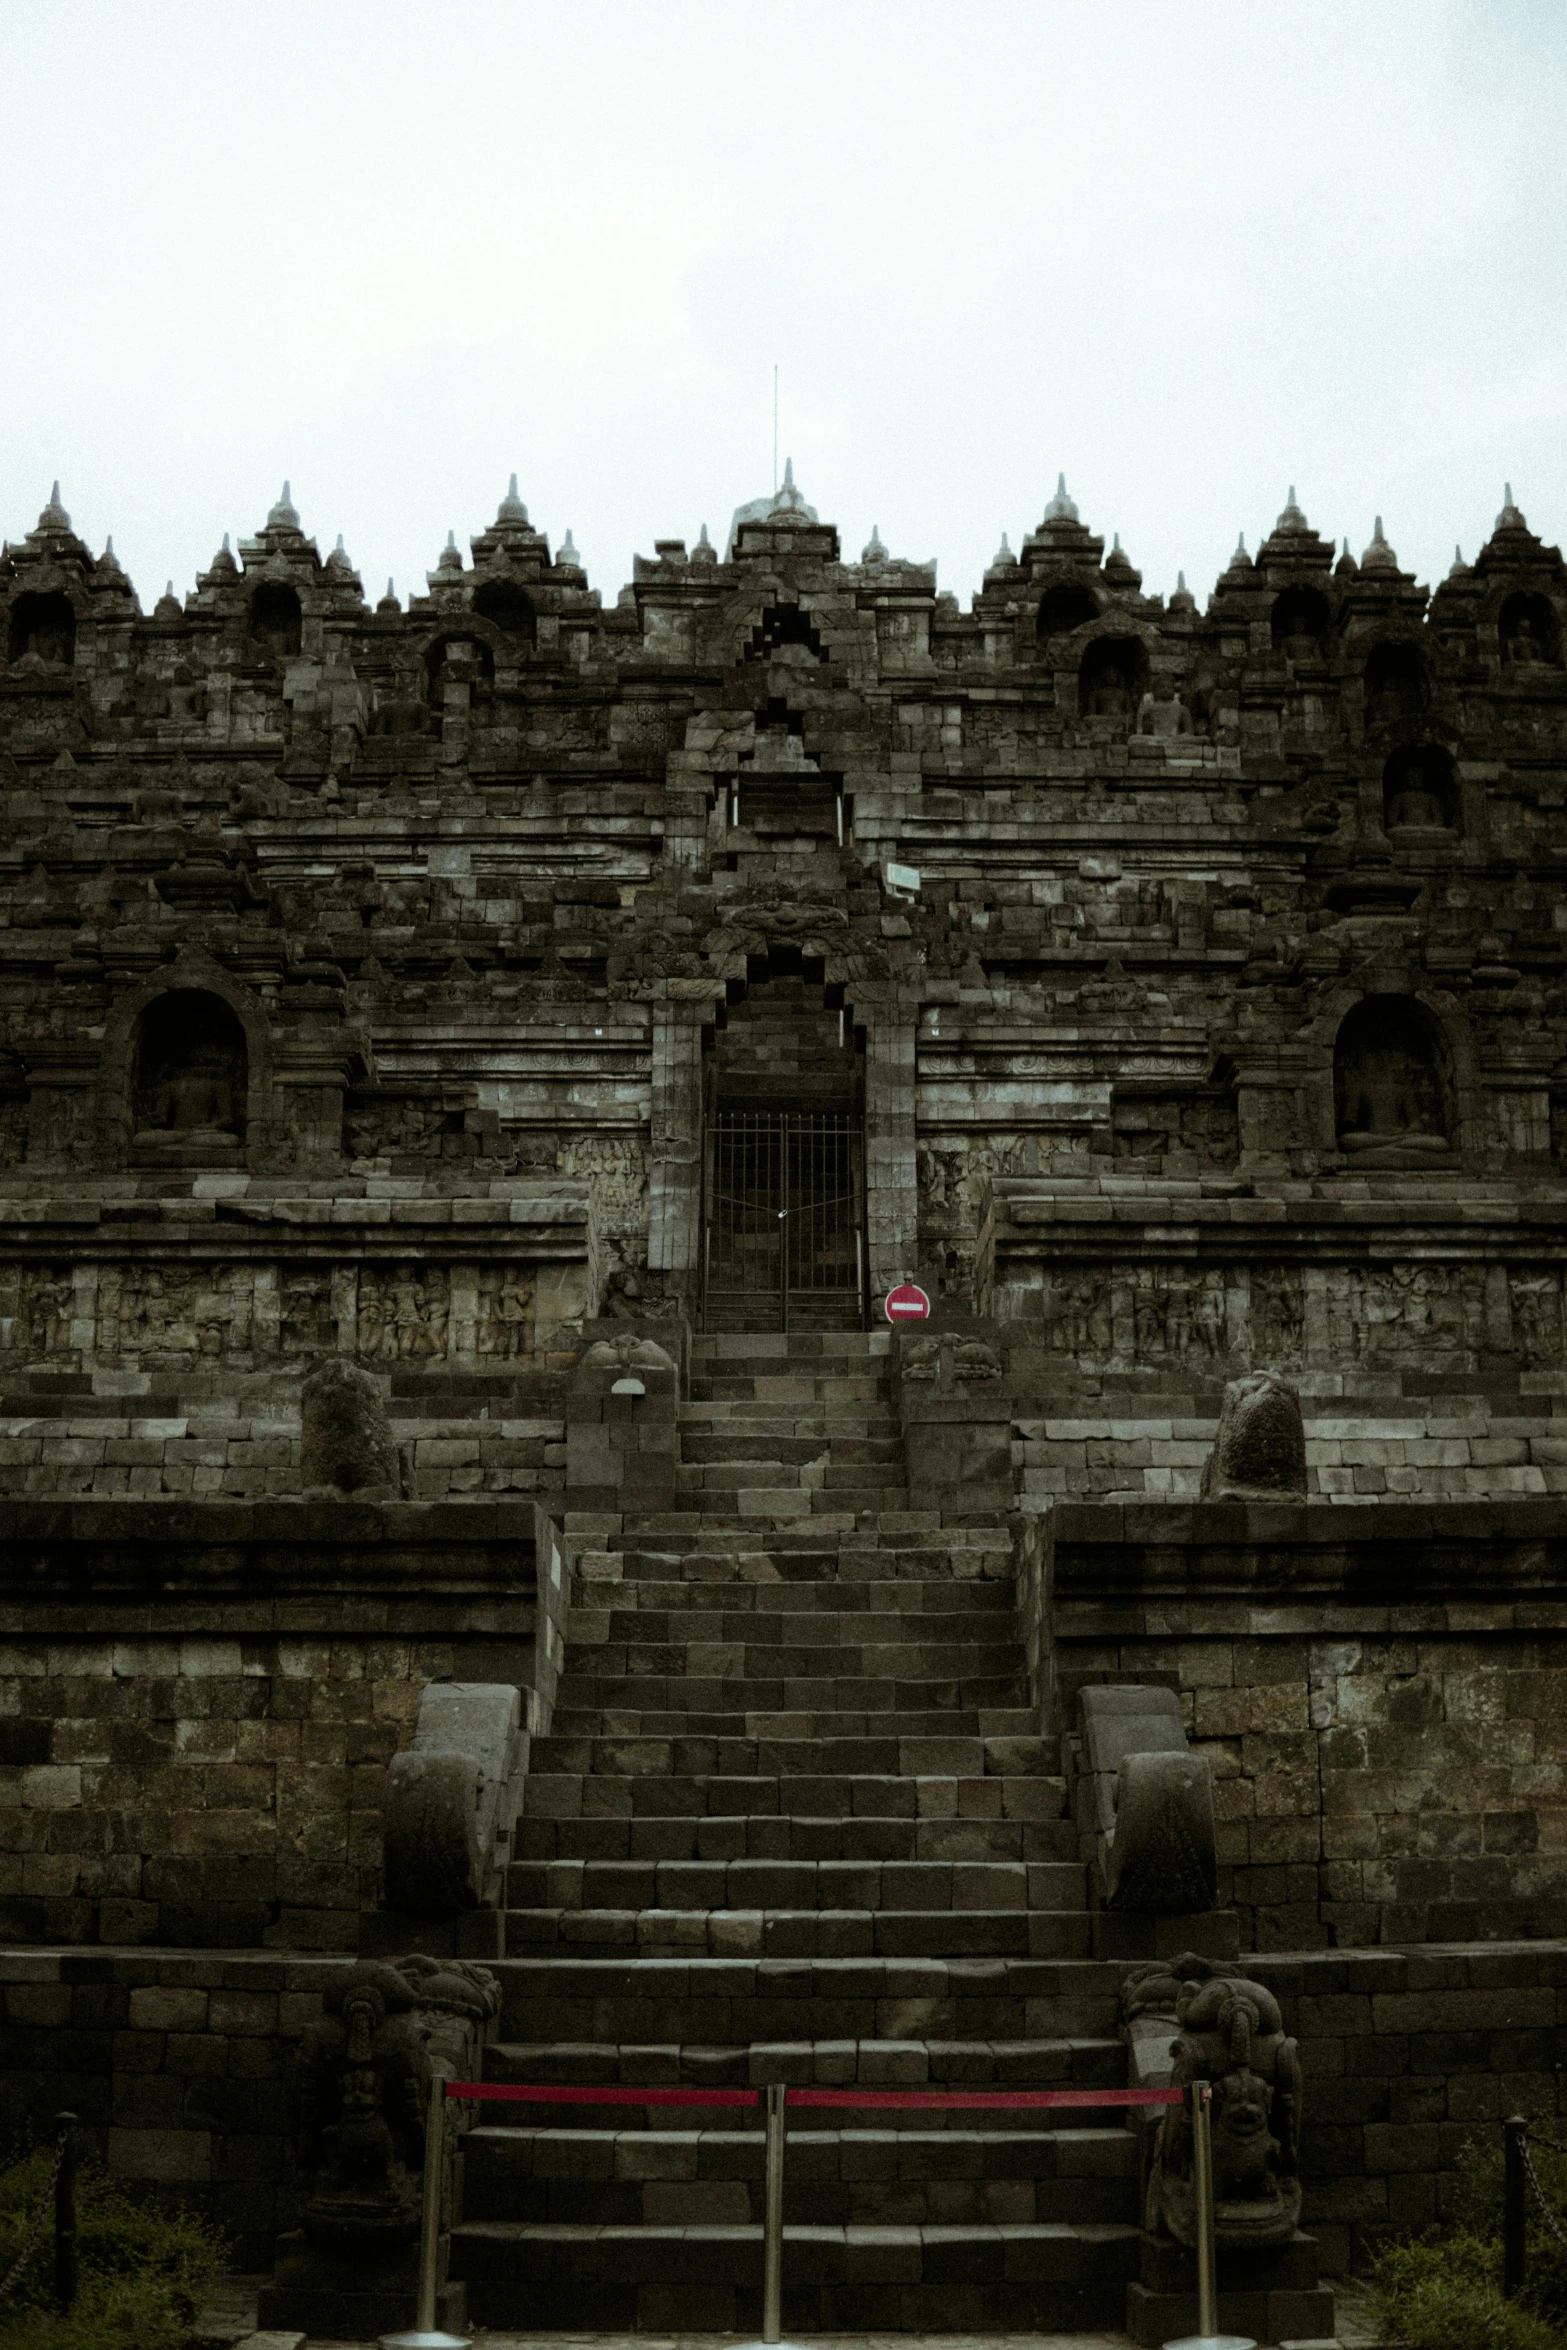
(1527, 633)
(1300, 624)
(1420, 798)
(1113, 678)
(1392, 1085)
(189, 1081)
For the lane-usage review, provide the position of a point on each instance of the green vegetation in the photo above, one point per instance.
(1446, 2294)
(146, 2268)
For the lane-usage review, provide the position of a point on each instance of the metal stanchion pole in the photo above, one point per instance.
(1202, 2168)
(426, 2335)
(772, 2230)
(1514, 2132)
(65, 2271)
(1199, 2099)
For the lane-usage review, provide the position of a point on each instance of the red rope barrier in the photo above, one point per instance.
(995, 2100)
(513, 2093)
(991, 2100)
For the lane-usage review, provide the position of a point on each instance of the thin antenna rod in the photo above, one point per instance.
(775, 428)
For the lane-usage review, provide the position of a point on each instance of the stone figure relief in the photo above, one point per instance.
(1536, 1300)
(506, 1310)
(401, 1313)
(617, 1167)
(1278, 1315)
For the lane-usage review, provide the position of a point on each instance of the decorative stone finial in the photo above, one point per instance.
(1003, 553)
(704, 550)
(283, 516)
(1458, 565)
(1346, 567)
(168, 589)
(1379, 556)
(567, 552)
(450, 558)
(1061, 507)
(389, 601)
(1292, 519)
(1509, 518)
(1180, 583)
(54, 516)
(227, 549)
(339, 556)
(788, 499)
(511, 507)
(873, 551)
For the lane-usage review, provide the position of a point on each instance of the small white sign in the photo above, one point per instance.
(902, 877)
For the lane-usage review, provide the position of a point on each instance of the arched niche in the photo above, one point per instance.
(1420, 790)
(784, 629)
(1528, 633)
(1066, 606)
(1300, 623)
(506, 607)
(1397, 689)
(1393, 1092)
(1113, 677)
(276, 620)
(189, 1079)
(457, 660)
(43, 623)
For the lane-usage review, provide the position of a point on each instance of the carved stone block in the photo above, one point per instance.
(346, 1443)
(1259, 1451)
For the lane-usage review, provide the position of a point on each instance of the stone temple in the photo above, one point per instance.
(483, 1582)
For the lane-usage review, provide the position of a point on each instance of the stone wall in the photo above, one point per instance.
(1378, 1690)
(196, 1754)
(180, 2066)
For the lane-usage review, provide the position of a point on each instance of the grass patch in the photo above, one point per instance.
(1446, 2293)
(147, 2268)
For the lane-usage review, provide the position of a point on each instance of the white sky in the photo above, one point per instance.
(1189, 252)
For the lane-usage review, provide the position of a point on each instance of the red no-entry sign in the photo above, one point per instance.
(907, 1303)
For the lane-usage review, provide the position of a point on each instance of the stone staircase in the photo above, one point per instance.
(794, 1823)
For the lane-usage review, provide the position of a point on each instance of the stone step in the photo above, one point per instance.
(533, 1989)
(959, 1886)
(770, 1836)
(786, 1390)
(822, 1692)
(710, 1346)
(624, 1753)
(795, 1648)
(731, 1441)
(757, 1613)
(798, 1933)
(678, 1822)
(1051, 2277)
(970, 1745)
(694, 1786)
(764, 1503)
(764, 1559)
(879, 2173)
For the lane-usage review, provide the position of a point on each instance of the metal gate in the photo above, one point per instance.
(784, 1237)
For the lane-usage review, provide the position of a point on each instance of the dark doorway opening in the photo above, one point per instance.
(784, 1157)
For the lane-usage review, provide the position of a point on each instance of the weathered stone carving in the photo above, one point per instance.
(402, 1315)
(346, 1442)
(364, 2076)
(1229, 2031)
(1260, 1447)
(449, 1796)
(1145, 1801)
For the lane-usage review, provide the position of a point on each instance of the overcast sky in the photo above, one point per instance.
(1188, 253)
